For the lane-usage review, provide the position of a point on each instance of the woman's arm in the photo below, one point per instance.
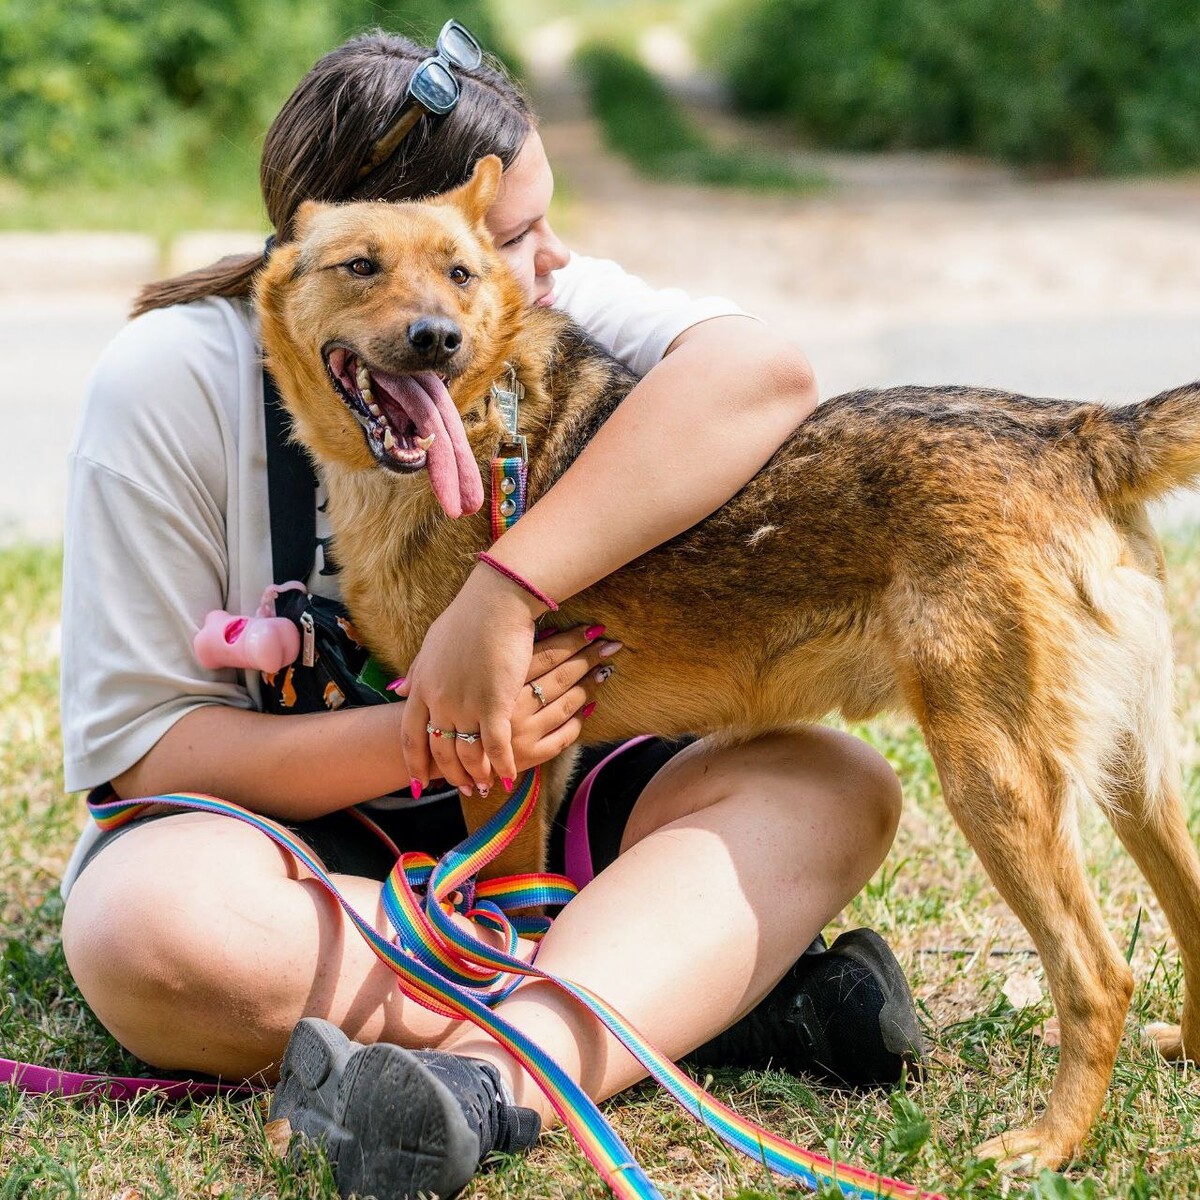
(304, 765)
(294, 767)
(689, 436)
(693, 432)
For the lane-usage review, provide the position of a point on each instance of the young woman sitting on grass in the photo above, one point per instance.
(201, 946)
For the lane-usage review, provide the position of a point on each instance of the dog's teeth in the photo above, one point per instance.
(425, 442)
(373, 407)
(389, 439)
(364, 379)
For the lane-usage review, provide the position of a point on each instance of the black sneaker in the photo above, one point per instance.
(396, 1124)
(844, 1014)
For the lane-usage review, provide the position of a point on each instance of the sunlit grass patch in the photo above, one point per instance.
(642, 121)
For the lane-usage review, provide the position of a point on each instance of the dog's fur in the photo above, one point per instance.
(979, 559)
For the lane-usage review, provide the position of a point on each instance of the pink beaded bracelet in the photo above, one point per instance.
(509, 573)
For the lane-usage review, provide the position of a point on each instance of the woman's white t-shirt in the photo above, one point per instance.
(167, 512)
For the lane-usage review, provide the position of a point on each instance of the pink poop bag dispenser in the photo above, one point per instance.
(263, 642)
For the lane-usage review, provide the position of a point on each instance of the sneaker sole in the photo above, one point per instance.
(389, 1128)
(897, 1019)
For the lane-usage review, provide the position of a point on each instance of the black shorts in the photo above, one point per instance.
(584, 839)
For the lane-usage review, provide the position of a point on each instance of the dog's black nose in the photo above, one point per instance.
(434, 337)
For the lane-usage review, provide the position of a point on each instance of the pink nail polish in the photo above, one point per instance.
(508, 784)
(600, 674)
(466, 793)
(587, 710)
(414, 786)
(592, 632)
(610, 648)
(483, 791)
(397, 683)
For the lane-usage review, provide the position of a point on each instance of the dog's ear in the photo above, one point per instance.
(476, 196)
(303, 217)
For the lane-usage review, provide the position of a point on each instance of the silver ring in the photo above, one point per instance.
(537, 691)
(468, 737)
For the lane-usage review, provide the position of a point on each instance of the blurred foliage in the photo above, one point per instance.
(643, 122)
(113, 90)
(1084, 85)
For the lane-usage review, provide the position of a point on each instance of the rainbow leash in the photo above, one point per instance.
(447, 970)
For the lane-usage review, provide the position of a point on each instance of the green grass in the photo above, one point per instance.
(643, 122)
(991, 1065)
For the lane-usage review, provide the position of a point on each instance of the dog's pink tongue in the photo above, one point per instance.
(453, 472)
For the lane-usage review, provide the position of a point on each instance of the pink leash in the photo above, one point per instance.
(46, 1081)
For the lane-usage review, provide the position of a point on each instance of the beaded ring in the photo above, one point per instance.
(430, 728)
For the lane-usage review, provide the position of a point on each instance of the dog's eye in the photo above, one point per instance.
(362, 267)
(460, 275)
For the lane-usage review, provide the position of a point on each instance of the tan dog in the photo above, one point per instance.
(978, 559)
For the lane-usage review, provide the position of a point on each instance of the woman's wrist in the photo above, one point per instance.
(514, 576)
(496, 588)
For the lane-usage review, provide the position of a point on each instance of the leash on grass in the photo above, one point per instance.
(448, 970)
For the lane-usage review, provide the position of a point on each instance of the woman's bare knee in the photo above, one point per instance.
(146, 934)
(812, 767)
(868, 781)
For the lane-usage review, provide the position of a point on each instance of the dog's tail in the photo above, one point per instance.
(1142, 451)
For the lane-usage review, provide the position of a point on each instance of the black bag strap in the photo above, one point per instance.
(291, 493)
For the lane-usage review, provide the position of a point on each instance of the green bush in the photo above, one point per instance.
(109, 90)
(641, 121)
(1085, 85)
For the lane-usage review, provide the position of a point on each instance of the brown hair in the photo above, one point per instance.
(326, 130)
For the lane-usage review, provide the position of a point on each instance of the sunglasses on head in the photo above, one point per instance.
(432, 90)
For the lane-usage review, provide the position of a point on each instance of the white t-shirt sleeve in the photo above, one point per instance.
(146, 551)
(633, 321)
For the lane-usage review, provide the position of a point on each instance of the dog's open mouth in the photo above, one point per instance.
(378, 401)
(410, 424)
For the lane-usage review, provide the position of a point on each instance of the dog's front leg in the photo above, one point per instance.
(526, 852)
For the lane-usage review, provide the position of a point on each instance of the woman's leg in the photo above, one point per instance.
(734, 860)
(199, 947)
(199, 944)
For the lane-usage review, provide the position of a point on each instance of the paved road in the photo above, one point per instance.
(48, 351)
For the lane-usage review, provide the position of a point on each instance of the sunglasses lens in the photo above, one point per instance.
(457, 44)
(435, 87)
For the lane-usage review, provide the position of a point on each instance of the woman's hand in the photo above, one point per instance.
(470, 676)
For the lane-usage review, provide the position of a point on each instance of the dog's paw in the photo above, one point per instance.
(1167, 1039)
(1024, 1151)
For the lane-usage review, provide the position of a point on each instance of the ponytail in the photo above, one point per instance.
(231, 276)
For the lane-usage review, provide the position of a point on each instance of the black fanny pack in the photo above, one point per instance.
(334, 670)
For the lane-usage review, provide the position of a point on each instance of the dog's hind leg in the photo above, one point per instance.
(1143, 803)
(1014, 802)
(1154, 831)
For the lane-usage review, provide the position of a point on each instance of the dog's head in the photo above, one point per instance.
(383, 322)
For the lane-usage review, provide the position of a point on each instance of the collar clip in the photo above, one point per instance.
(507, 399)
